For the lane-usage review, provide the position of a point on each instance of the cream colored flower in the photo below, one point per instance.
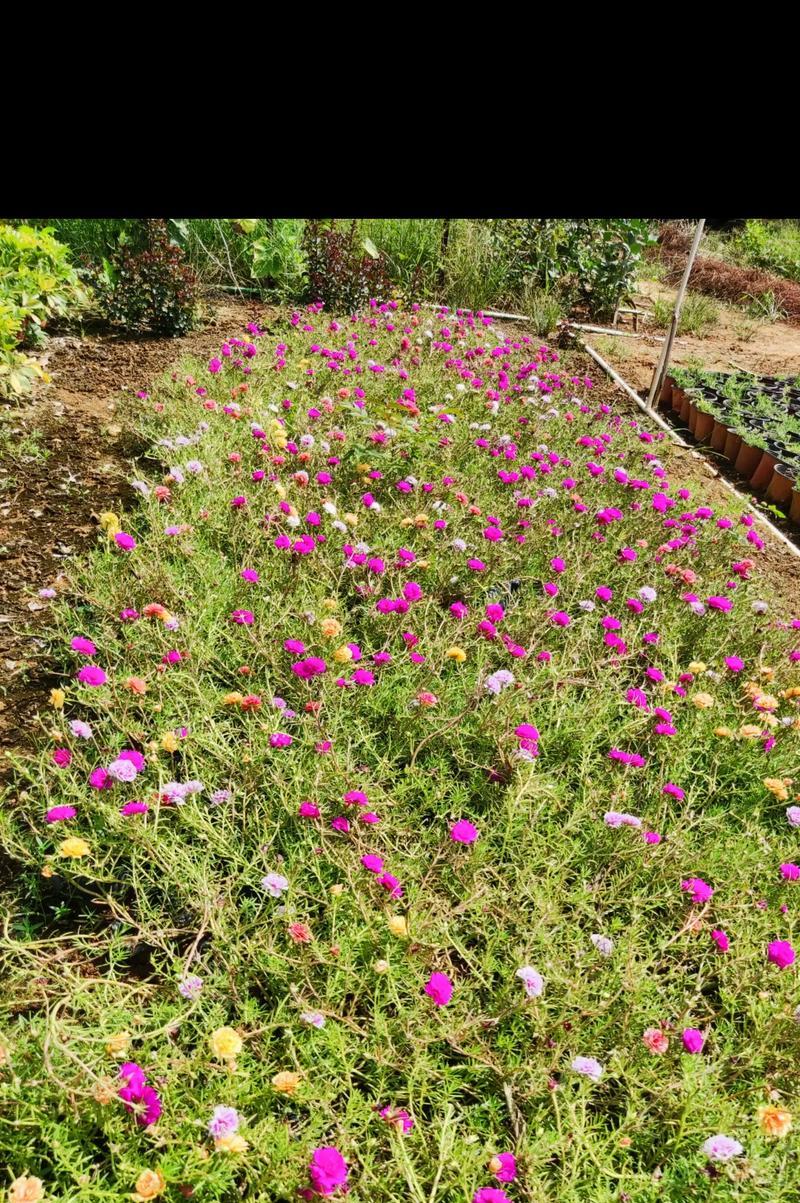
(226, 1043)
(117, 1045)
(398, 925)
(73, 847)
(286, 1082)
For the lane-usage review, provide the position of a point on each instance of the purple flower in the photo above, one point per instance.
(722, 1148)
(224, 1122)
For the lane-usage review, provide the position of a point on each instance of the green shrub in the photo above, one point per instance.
(344, 270)
(37, 284)
(279, 260)
(146, 285)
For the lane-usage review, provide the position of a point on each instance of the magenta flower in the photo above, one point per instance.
(328, 1170)
(59, 814)
(781, 953)
(508, 1167)
(693, 1040)
(490, 1194)
(84, 646)
(790, 872)
(439, 988)
(125, 541)
(700, 890)
(91, 674)
(463, 832)
(721, 939)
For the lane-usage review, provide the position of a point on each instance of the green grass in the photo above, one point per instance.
(96, 946)
(699, 314)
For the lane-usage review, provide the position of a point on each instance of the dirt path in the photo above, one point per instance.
(63, 460)
(767, 347)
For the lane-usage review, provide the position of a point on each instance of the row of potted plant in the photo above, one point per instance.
(754, 422)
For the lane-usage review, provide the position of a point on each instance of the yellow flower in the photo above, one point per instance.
(364, 467)
(792, 692)
(232, 699)
(231, 1144)
(406, 521)
(110, 522)
(420, 521)
(330, 628)
(280, 490)
(226, 1043)
(330, 603)
(117, 1045)
(398, 925)
(703, 701)
(456, 653)
(57, 698)
(26, 1190)
(286, 1082)
(337, 889)
(725, 732)
(774, 1121)
(777, 786)
(351, 519)
(73, 847)
(343, 654)
(697, 666)
(149, 1184)
(749, 731)
(169, 742)
(421, 564)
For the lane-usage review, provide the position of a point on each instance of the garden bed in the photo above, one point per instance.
(751, 421)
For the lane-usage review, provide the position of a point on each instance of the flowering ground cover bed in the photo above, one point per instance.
(416, 815)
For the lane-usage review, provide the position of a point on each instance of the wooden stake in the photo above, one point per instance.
(663, 361)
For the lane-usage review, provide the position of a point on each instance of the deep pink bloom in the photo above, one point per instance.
(790, 872)
(490, 1194)
(721, 940)
(463, 832)
(308, 810)
(91, 674)
(328, 1170)
(439, 988)
(781, 953)
(58, 814)
(84, 646)
(700, 890)
(125, 541)
(508, 1167)
(693, 1040)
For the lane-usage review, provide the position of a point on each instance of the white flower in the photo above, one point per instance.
(647, 593)
(274, 884)
(588, 606)
(760, 607)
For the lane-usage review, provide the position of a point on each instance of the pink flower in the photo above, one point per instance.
(721, 940)
(125, 541)
(656, 1040)
(307, 810)
(439, 988)
(790, 872)
(490, 1194)
(62, 757)
(463, 832)
(328, 1170)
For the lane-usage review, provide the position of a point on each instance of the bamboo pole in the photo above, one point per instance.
(663, 360)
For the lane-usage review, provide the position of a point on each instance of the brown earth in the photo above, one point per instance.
(63, 460)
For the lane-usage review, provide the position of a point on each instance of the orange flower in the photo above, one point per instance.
(26, 1190)
(774, 1121)
(136, 685)
(300, 933)
(286, 1082)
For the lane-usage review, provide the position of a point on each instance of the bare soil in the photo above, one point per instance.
(63, 461)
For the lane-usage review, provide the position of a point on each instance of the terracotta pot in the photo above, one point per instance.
(732, 444)
(718, 435)
(748, 460)
(677, 398)
(780, 487)
(794, 508)
(686, 408)
(665, 396)
(761, 473)
(694, 414)
(703, 427)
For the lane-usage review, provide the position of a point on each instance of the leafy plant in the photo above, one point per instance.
(37, 285)
(279, 260)
(341, 271)
(146, 285)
